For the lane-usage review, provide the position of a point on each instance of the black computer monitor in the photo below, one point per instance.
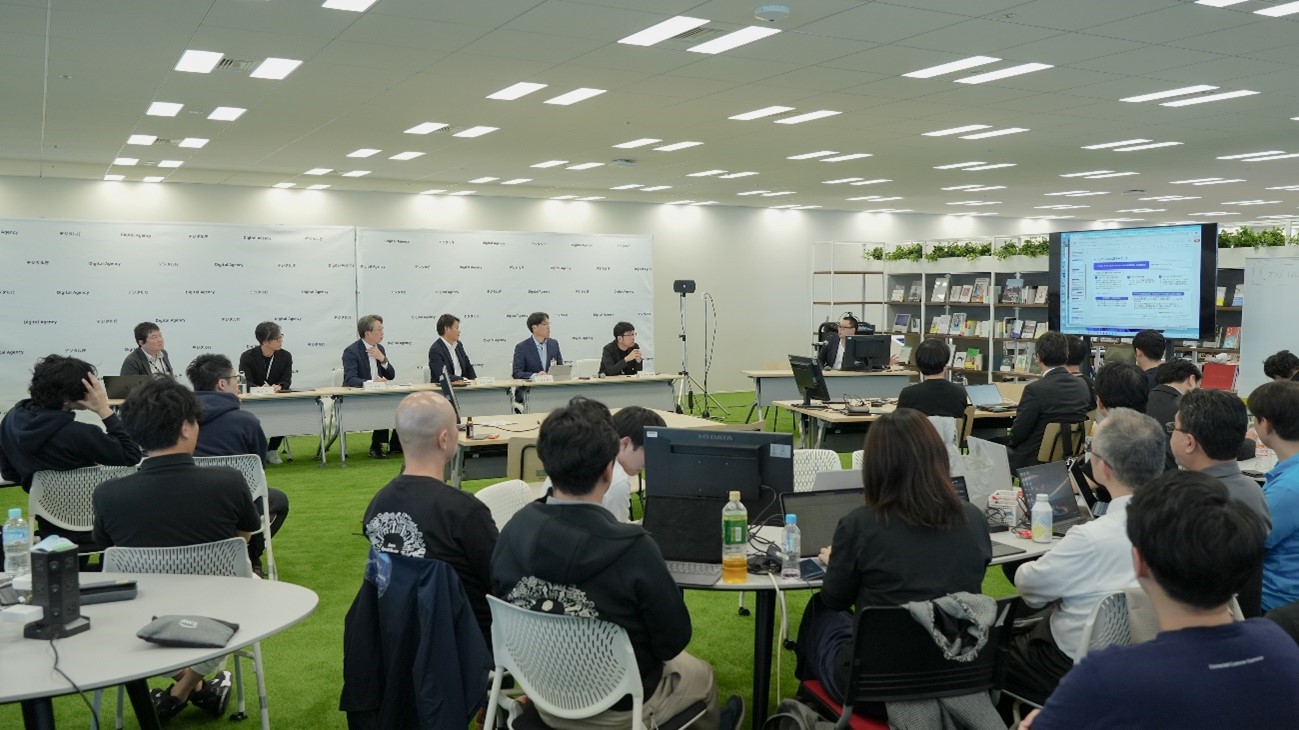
(867, 352)
(808, 379)
(690, 462)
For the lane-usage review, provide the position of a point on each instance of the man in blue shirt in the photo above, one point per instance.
(1193, 547)
(535, 355)
(1275, 407)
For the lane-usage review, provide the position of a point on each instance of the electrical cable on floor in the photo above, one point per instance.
(94, 718)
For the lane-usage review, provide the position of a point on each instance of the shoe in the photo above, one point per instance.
(165, 705)
(273, 457)
(377, 453)
(732, 714)
(214, 697)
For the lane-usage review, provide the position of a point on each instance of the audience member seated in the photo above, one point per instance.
(65, 424)
(1121, 385)
(1275, 406)
(1093, 559)
(226, 430)
(458, 367)
(623, 355)
(1173, 379)
(1149, 346)
(1192, 546)
(934, 395)
(831, 353)
(1057, 397)
(418, 515)
(1077, 360)
(913, 540)
(149, 357)
(268, 364)
(1283, 365)
(365, 360)
(568, 555)
(172, 502)
(537, 353)
(630, 425)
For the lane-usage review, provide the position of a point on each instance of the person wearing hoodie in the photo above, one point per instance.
(568, 554)
(226, 430)
(65, 424)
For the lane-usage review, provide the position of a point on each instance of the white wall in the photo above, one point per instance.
(754, 262)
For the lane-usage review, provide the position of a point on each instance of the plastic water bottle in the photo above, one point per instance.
(17, 544)
(792, 544)
(1041, 519)
(735, 538)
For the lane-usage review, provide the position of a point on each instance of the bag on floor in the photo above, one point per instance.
(794, 715)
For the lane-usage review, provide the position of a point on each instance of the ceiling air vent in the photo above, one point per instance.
(236, 65)
(692, 38)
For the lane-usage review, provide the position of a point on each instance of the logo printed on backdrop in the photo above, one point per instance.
(603, 268)
(561, 268)
(396, 343)
(197, 235)
(171, 320)
(69, 233)
(138, 292)
(6, 292)
(227, 264)
(538, 291)
(315, 291)
(72, 292)
(496, 291)
(105, 321)
(424, 316)
(493, 243)
(287, 266)
(229, 319)
(136, 235)
(199, 292)
(38, 263)
(12, 352)
(103, 263)
(396, 240)
(400, 292)
(581, 291)
(259, 292)
(517, 268)
(169, 264)
(39, 322)
(446, 291)
(582, 245)
(287, 318)
(374, 266)
(467, 267)
(423, 266)
(8, 232)
(74, 350)
(257, 238)
(342, 266)
(624, 291)
(315, 344)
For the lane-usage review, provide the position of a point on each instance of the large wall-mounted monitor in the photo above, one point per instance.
(1119, 281)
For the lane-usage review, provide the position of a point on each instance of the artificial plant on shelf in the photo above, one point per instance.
(1027, 247)
(1250, 238)
(968, 250)
(906, 252)
(873, 254)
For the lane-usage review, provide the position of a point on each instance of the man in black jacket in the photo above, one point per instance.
(934, 395)
(569, 555)
(1173, 379)
(149, 357)
(1149, 347)
(831, 353)
(1057, 397)
(440, 358)
(622, 356)
(268, 364)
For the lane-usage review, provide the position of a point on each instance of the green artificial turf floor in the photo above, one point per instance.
(321, 547)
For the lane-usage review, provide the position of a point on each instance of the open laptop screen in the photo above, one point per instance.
(819, 514)
(1052, 480)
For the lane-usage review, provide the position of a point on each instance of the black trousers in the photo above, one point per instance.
(279, 504)
(1035, 664)
(384, 436)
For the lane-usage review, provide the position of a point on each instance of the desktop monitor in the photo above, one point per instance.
(690, 462)
(808, 379)
(867, 352)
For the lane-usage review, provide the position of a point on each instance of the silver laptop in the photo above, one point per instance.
(988, 398)
(688, 533)
(837, 479)
(583, 369)
(1053, 480)
(561, 372)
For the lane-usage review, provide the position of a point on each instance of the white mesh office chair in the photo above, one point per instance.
(504, 499)
(1107, 625)
(858, 459)
(63, 498)
(568, 666)
(808, 462)
(224, 557)
(250, 466)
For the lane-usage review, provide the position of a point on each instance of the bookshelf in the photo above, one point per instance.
(843, 279)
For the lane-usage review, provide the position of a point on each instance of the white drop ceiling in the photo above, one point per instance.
(76, 77)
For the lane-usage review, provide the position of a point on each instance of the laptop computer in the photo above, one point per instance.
(561, 372)
(987, 469)
(585, 369)
(836, 480)
(120, 386)
(988, 398)
(819, 512)
(688, 533)
(1054, 481)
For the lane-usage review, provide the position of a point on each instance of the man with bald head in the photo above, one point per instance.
(418, 515)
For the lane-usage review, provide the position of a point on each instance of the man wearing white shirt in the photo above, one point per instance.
(630, 425)
(1091, 561)
(447, 353)
(149, 357)
(831, 353)
(365, 360)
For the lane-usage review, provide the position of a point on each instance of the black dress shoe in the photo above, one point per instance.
(377, 453)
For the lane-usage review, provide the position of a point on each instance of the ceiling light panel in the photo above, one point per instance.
(170, 163)
(989, 167)
(810, 116)
(1088, 173)
(575, 96)
(126, 161)
(876, 181)
(275, 68)
(733, 175)
(1279, 11)
(475, 132)
(482, 180)
(845, 158)
(584, 166)
(1170, 93)
(677, 146)
(1273, 157)
(766, 111)
(364, 152)
(355, 6)
(403, 156)
(144, 139)
(283, 185)
(356, 173)
(427, 127)
(659, 32)
(637, 143)
(1111, 174)
(319, 187)
(1151, 146)
(812, 155)
(958, 165)
(1253, 202)
(464, 192)
(199, 62)
(516, 181)
(318, 171)
(226, 113)
(736, 39)
(519, 90)
(164, 109)
(995, 133)
(1211, 97)
(1108, 145)
(630, 186)
(196, 143)
(114, 178)
(1252, 154)
(551, 163)
(953, 67)
(705, 173)
(956, 130)
(655, 188)
(1004, 73)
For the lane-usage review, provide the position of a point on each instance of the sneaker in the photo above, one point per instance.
(732, 714)
(165, 705)
(214, 697)
(273, 457)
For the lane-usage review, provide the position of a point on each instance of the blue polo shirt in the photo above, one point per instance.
(1281, 563)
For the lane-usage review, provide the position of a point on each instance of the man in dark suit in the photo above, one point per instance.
(148, 358)
(535, 355)
(1057, 397)
(831, 353)
(1149, 346)
(622, 356)
(365, 360)
(439, 353)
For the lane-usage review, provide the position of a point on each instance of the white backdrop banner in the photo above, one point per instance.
(492, 281)
(79, 288)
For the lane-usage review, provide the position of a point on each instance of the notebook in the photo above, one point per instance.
(987, 398)
(688, 533)
(1053, 480)
(120, 386)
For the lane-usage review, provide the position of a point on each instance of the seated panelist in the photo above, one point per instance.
(623, 355)
(440, 353)
(535, 355)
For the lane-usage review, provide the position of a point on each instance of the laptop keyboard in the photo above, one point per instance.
(685, 568)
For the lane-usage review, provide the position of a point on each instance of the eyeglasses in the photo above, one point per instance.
(1171, 426)
(627, 334)
(232, 376)
(847, 327)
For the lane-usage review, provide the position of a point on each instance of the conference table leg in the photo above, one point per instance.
(764, 625)
(342, 432)
(38, 714)
(138, 692)
(323, 434)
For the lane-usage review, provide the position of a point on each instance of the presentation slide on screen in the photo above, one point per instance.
(1119, 282)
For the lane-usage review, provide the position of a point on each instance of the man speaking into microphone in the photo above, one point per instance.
(622, 356)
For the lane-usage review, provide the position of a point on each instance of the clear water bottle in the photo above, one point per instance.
(1041, 519)
(735, 538)
(243, 382)
(17, 544)
(791, 548)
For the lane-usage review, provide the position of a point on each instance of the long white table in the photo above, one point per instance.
(778, 384)
(619, 391)
(296, 413)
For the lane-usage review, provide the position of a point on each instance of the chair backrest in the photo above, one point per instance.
(967, 426)
(63, 498)
(522, 461)
(1108, 624)
(1011, 392)
(336, 377)
(858, 458)
(1062, 440)
(505, 498)
(223, 557)
(570, 667)
(807, 462)
(249, 465)
(895, 658)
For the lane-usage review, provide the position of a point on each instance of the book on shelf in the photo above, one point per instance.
(1222, 296)
(940, 290)
(995, 294)
(915, 324)
(1238, 299)
(1040, 296)
(983, 329)
(1041, 330)
(917, 290)
(967, 291)
(959, 362)
(1021, 362)
(1027, 294)
(973, 360)
(904, 355)
(1028, 330)
(1231, 338)
(1017, 328)
(1220, 376)
(1010, 295)
(980, 293)
(896, 296)
(942, 323)
(957, 324)
(901, 323)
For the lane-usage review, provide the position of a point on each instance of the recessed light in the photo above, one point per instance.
(677, 146)
(733, 175)
(961, 187)
(153, 178)
(956, 130)
(637, 143)
(876, 181)
(976, 202)
(574, 96)
(1078, 193)
(164, 109)
(888, 210)
(317, 187)
(427, 127)
(801, 207)
(1111, 174)
(705, 173)
(1142, 210)
(1108, 145)
(521, 89)
(630, 186)
(464, 192)
(1279, 11)
(823, 113)
(318, 171)
(658, 32)
(1251, 154)
(356, 173)
(1211, 97)
(284, 185)
(1171, 198)
(127, 161)
(516, 181)
(734, 40)
(356, 6)
(584, 166)
(170, 163)
(144, 139)
(790, 206)
(1214, 212)
(433, 191)
(592, 197)
(1087, 174)
(1004, 73)
(1171, 92)
(1219, 182)
(812, 155)
(275, 68)
(551, 163)
(754, 192)
(1272, 157)
(840, 180)
(972, 214)
(192, 142)
(403, 156)
(1059, 207)
(778, 194)
(1218, 3)
(990, 167)
(199, 62)
(946, 68)
(483, 180)
(654, 188)
(995, 133)
(877, 198)
(1151, 146)
(226, 113)
(475, 132)
(845, 158)
(364, 152)
(1286, 187)
(114, 178)
(679, 202)
(1253, 202)
(1049, 217)
(958, 165)
(564, 197)
(1119, 220)
(766, 111)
